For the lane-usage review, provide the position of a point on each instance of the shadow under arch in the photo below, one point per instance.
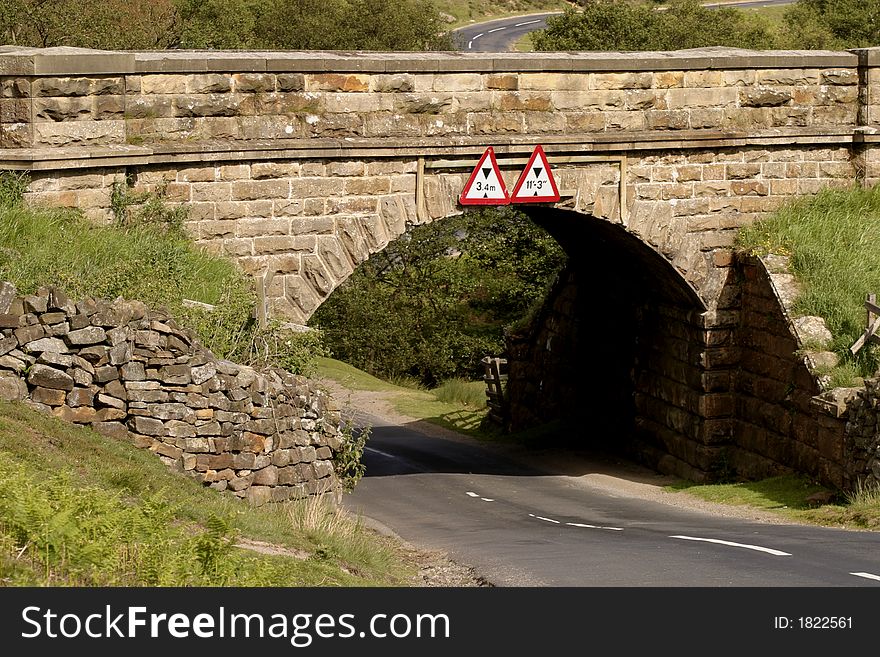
(611, 361)
(592, 241)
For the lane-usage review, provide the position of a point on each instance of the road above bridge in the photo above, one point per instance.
(526, 525)
(501, 35)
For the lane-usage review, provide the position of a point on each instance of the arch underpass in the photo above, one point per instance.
(614, 356)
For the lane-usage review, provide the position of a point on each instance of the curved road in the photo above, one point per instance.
(519, 526)
(501, 35)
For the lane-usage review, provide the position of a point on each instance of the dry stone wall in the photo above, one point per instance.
(132, 373)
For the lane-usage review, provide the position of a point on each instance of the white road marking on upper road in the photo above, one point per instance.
(580, 524)
(379, 451)
(777, 553)
(545, 519)
(470, 494)
(867, 576)
(487, 499)
(527, 23)
(497, 29)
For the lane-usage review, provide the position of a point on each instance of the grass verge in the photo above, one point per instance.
(787, 496)
(77, 508)
(831, 239)
(456, 404)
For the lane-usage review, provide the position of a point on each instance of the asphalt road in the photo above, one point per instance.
(519, 526)
(498, 35)
(501, 35)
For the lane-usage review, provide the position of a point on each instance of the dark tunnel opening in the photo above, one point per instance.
(607, 360)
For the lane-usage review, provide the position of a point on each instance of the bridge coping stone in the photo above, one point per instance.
(82, 61)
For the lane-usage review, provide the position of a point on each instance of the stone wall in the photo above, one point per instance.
(131, 373)
(783, 424)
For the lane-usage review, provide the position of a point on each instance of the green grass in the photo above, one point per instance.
(786, 496)
(832, 240)
(351, 377)
(77, 508)
(59, 248)
(459, 391)
(456, 404)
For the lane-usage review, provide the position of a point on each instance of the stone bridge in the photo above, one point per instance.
(300, 165)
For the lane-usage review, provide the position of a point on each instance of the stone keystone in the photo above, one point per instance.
(48, 377)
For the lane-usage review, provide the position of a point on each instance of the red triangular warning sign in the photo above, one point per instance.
(485, 186)
(536, 183)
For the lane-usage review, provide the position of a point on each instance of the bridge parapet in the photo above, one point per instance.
(63, 97)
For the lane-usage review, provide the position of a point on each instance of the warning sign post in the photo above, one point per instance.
(485, 186)
(536, 183)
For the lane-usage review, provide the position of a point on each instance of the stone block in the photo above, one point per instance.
(48, 377)
(267, 476)
(52, 345)
(108, 414)
(147, 426)
(336, 82)
(27, 334)
(106, 373)
(78, 415)
(12, 388)
(289, 476)
(80, 397)
(115, 430)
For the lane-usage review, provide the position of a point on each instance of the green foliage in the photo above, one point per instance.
(436, 300)
(348, 459)
(832, 241)
(621, 25)
(146, 208)
(350, 24)
(225, 24)
(217, 24)
(12, 188)
(75, 535)
(145, 256)
(469, 394)
(106, 24)
(833, 24)
(77, 508)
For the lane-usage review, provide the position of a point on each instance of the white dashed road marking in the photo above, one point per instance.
(580, 524)
(758, 548)
(527, 23)
(473, 494)
(867, 576)
(497, 29)
(380, 452)
(556, 522)
(470, 494)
